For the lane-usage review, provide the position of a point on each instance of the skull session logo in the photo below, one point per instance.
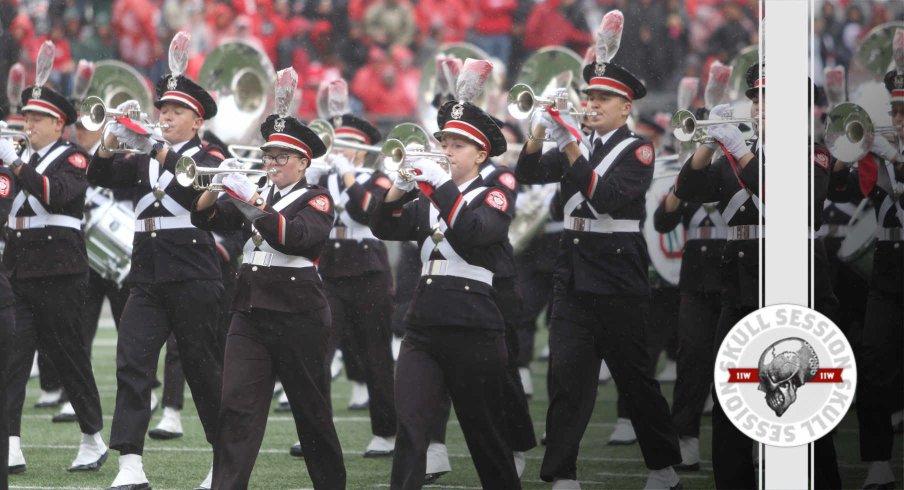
(785, 375)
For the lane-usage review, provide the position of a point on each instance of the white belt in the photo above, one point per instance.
(832, 230)
(602, 225)
(351, 233)
(744, 232)
(31, 222)
(457, 269)
(707, 233)
(163, 223)
(553, 227)
(890, 234)
(268, 259)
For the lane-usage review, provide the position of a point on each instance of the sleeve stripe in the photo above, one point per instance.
(592, 187)
(366, 202)
(454, 213)
(46, 190)
(281, 229)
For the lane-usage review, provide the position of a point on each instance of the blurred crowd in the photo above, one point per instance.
(379, 46)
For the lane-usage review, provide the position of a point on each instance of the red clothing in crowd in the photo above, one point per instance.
(376, 85)
(495, 17)
(356, 9)
(269, 28)
(134, 22)
(23, 32)
(546, 26)
(451, 18)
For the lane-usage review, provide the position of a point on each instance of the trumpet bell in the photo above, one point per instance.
(93, 113)
(398, 138)
(849, 132)
(427, 86)
(521, 101)
(324, 130)
(186, 171)
(684, 125)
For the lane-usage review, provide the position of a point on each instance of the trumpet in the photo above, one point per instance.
(409, 140)
(20, 139)
(850, 132)
(522, 102)
(188, 173)
(94, 113)
(686, 127)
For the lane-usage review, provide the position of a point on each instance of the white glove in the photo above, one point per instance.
(402, 184)
(560, 132)
(239, 187)
(884, 149)
(730, 137)
(7, 151)
(131, 139)
(721, 111)
(129, 105)
(227, 164)
(431, 172)
(342, 164)
(541, 118)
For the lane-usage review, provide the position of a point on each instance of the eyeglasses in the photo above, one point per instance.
(280, 160)
(896, 112)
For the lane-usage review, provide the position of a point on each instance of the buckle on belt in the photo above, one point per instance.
(341, 232)
(22, 222)
(578, 224)
(261, 258)
(150, 224)
(743, 232)
(436, 267)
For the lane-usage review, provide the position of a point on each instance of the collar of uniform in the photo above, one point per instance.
(464, 187)
(604, 138)
(177, 147)
(286, 190)
(42, 152)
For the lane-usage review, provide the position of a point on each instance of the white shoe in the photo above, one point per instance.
(605, 376)
(208, 481)
(277, 389)
(879, 475)
(897, 419)
(565, 485)
(360, 397)
(35, 371)
(67, 414)
(396, 347)
(49, 399)
(92, 452)
(520, 462)
(154, 402)
(380, 446)
(170, 425)
(131, 471)
(544, 354)
(438, 458)
(623, 433)
(336, 365)
(664, 479)
(282, 403)
(526, 381)
(690, 454)
(16, 460)
(669, 372)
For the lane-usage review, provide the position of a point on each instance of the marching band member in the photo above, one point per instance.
(175, 274)
(281, 318)
(879, 177)
(733, 181)
(7, 317)
(601, 290)
(48, 268)
(454, 344)
(356, 274)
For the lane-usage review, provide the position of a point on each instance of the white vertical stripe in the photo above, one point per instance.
(786, 253)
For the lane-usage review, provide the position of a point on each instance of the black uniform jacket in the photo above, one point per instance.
(740, 259)
(163, 255)
(351, 257)
(888, 262)
(60, 189)
(299, 229)
(478, 234)
(599, 263)
(503, 178)
(8, 191)
(701, 257)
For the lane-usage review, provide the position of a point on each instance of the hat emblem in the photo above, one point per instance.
(337, 121)
(457, 111)
(899, 81)
(600, 69)
(36, 93)
(171, 83)
(279, 125)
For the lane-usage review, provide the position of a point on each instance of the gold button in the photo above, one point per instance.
(336, 245)
(156, 204)
(254, 269)
(18, 234)
(576, 241)
(194, 241)
(429, 281)
(742, 208)
(292, 278)
(49, 237)
(467, 288)
(153, 234)
(741, 255)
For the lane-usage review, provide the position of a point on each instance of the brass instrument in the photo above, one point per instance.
(875, 50)
(850, 132)
(745, 58)
(522, 102)
(116, 82)
(95, 115)
(686, 127)
(404, 141)
(20, 139)
(190, 174)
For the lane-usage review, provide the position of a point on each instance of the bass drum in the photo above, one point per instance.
(859, 246)
(109, 231)
(665, 249)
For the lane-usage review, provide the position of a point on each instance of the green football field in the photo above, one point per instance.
(183, 463)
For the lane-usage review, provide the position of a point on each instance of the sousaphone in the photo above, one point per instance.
(745, 58)
(116, 82)
(241, 79)
(875, 50)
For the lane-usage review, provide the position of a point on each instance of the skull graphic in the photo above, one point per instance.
(784, 367)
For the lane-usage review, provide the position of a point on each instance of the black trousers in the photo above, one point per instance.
(535, 288)
(732, 451)
(49, 317)
(697, 319)
(98, 289)
(262, 345)
(469, 366)
(518, 420)
(361, 309)
(586, 329)
(879, 375)
(7, 317)
(188, 310)
(407, 275)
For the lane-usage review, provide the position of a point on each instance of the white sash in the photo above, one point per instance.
(156, 180)
(738, 200)
(454, 261)
(282, 204)
(702, 213)
(577, 198)
(42, 217)
(356, 230)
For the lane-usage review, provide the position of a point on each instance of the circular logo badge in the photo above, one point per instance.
(785, 375)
